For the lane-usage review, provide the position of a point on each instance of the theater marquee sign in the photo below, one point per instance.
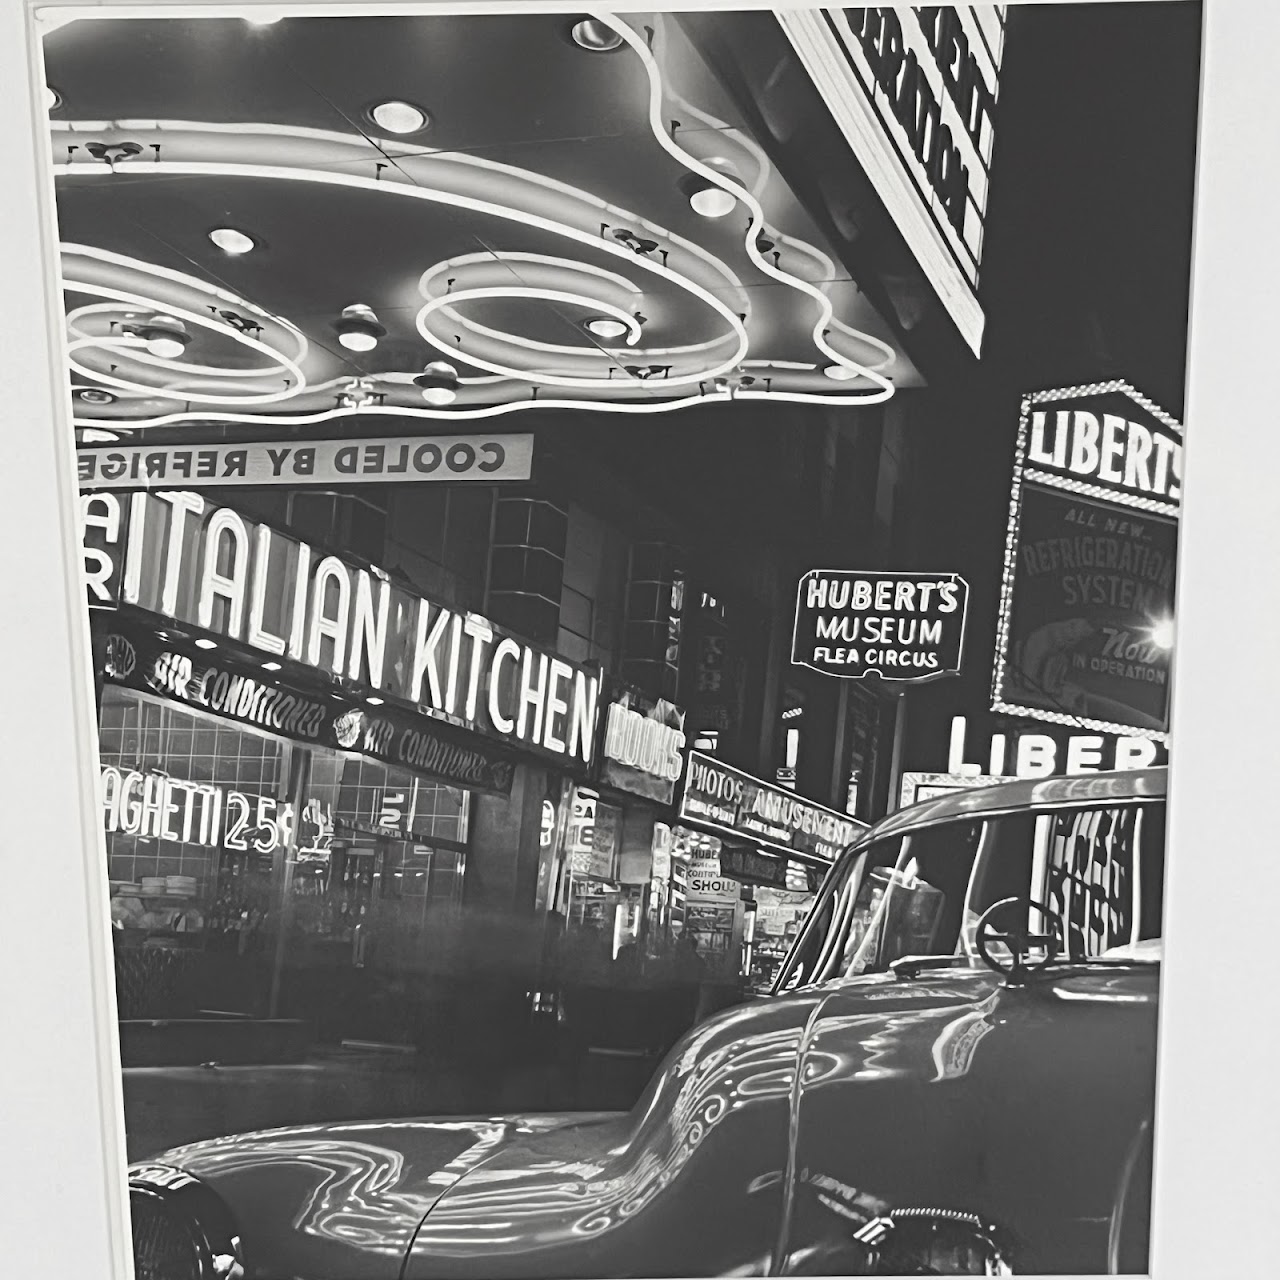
(1085, 630)
(913, 90)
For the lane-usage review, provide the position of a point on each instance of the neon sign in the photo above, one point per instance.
(158, 807)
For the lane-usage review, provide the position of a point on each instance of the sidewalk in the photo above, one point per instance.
(169, 1106)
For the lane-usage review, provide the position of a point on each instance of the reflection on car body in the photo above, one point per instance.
(898, 1105)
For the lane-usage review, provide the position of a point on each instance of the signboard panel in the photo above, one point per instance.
(914, 92)
(393, 460)
(643, 749)
(209, 567)
(907, 628)
(928, 786)
(724, 799)
(1087, 605)
(235, 688)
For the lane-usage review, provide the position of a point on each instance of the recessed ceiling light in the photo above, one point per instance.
(605, 327)
(92, 435)
(374, 702)
(202, 643)
(840, 373)
(595, 36)
(52, 98)
(271, 666)
(267, 18)
(705, 198)
(399, 117)
(231, 241)
(93, 395)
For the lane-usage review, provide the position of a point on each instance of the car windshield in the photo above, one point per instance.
(1098, 871)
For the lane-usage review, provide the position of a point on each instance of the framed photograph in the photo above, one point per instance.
(639, 639)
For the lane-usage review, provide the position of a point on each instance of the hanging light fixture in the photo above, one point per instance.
(438, 383)
(165, 337)
(595, 36)
(358, 328)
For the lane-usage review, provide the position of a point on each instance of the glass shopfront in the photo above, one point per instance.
(246, 871)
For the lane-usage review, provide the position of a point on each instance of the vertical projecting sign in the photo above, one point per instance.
(1086, 612)
(914, 90)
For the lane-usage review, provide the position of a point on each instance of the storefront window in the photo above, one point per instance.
(216, 877)
(197, 821)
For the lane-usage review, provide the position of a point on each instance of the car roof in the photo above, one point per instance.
(1023, 793)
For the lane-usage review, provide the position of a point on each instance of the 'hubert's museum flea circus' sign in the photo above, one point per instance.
(1086, 615)
(903, 627)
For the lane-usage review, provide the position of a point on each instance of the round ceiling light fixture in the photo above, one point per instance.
(438, 383)
(266, 18)
(605, 327)
(705, 198)
(395, 116)
(840, 372)
(231, 241)
(165, 337)
(358, 328)
(595, 36)
(52, 98)
(93, 395)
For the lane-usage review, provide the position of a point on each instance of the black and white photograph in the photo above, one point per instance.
(629, 569)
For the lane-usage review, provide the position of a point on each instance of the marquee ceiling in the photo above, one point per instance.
(550, 187)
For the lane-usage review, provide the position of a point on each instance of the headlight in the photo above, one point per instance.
(934, 1242)
(181, 1228)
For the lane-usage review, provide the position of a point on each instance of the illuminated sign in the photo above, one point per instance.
(1038, 755)
(158, 807)
(917, 787)
(643, 749)
(914, 91)
(382, 461)
(1085, 630)
(725, 799)
(235, 687)
(707, 883)
(904, 627)
(212, 568)
(986, 760)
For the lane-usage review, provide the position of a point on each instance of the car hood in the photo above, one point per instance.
(344, 1200)
(583, 1194)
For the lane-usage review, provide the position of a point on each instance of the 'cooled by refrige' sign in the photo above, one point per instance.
(719, 796)
(175, 555)
(904, 627)
(1087, 606)
(383, 461)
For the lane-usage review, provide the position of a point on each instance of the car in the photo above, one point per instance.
(953, 1074)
